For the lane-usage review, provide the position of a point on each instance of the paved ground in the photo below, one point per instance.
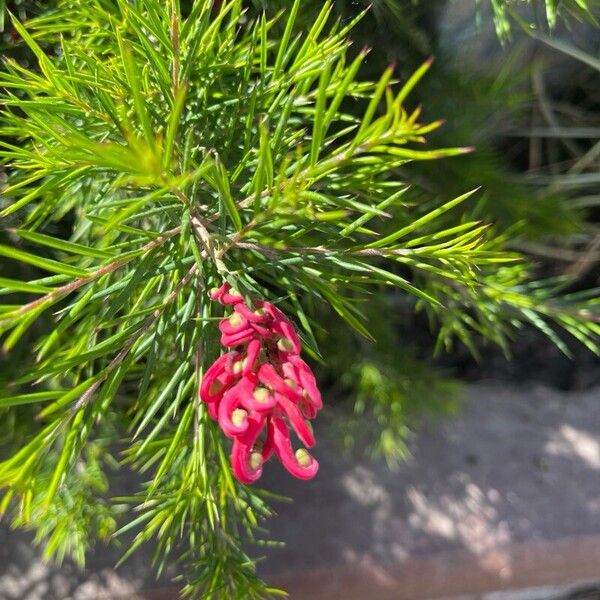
(517, 465)
(505, 496)
(484, 497)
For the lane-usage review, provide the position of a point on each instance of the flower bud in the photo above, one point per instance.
(255, 461)
(235, 320)
(238, 416)
(261, 394)
(285, 345)
(231, 296)
(303, 457)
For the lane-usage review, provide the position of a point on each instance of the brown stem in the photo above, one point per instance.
(201, 232)
(272, 252)
(205, 239)
(200, 224)
(146, 325)
(334, 160)
(77, 283)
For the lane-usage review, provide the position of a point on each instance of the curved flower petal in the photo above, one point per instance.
(233, 418)
(233, 324)
(273, 311)
(268, 446)
(261, 330)
(246, 461)
(225, 295)
(301, 464)
(237, 339)
(307, 408)
(268, 376)
(213, 410)
(246, 465)
(252, 353)
(301, 427)
(217, 293)
(231, 297)
(217, 379)
(255, 398)
(254, 316)
(283, 327)
(307, 381)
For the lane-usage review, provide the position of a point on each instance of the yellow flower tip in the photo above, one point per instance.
(260, 312)
(303, 457)
(291, 383)
(285, 345)
(238, 416)
(255, 461)
(235, 320)
(237, 367)
(234, 292)
(213, 291)
(261, 394)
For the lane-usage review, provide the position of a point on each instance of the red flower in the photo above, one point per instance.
(218, 378)
(246, 458)
(262, 390)
(288, 338)
(300, 463)
(226, 295)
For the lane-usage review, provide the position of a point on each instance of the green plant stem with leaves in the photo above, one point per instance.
(547, 12)
(183, 150)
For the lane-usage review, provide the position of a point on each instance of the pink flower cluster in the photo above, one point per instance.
(261, 388)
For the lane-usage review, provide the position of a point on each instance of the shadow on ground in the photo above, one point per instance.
(519, 465)
(24, 576)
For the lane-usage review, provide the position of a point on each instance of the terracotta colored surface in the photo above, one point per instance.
(452, 574)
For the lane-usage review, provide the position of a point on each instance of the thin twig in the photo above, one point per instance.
(204, 237)
(273, 252)
(146, 325)
(200, 228)
(332, 161)
(587, 259)
(546, 111)
(77, 283)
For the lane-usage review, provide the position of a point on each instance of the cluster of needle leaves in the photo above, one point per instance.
(546, 13)
(180, 147)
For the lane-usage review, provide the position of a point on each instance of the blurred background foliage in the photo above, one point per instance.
(527, 100)
(518, 81)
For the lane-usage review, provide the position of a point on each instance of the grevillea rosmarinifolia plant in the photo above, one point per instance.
(154, 150)
(261, 389)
